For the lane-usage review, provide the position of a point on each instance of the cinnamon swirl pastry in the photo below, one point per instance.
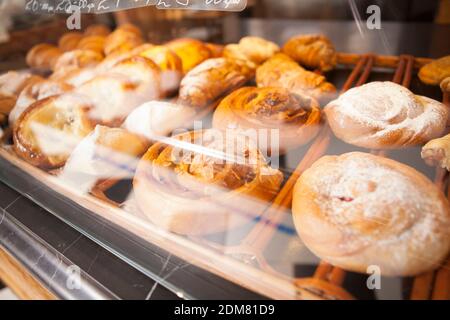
(34, 92)
(436, 71)
(47, 132)
(282, 71)
(43, 56)
(251, 50)
(383, 115)
(191, 52)
(312, 50)
(296, 117)
(356, 210)
(69, 41)
(187, 192)
(211, 80)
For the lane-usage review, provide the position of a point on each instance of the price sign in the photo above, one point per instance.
(211, 5)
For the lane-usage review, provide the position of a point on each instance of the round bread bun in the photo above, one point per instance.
(357, 210)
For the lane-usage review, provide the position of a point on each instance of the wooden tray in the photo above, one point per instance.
(245, 263)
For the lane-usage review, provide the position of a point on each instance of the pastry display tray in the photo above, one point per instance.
(264, 259)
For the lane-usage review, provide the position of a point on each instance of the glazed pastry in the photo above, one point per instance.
(69, 41)
(211, 80)
(445, 85)
(384, 115)
(92, 43)
(43, 56)
(156, 119)
(282, 71)
(192, 52)
(252, 50)
(97, 30)
(436, 71)
(123, 39)
(312, 51)
(47, 132)
(358, 210)
(296, 117)
(106, 153)
(192, 193)
(126, 86)
(437, 152)
(34, 92)
(11, 84)
(78, 59)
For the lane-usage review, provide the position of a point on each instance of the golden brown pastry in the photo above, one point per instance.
(356, 210)
(215, 49)
(191, 52)
(34, 92)
(43, 56)
(123, 39)
(69, 41)
(47, 132)
(251, 110)
(97, 30)
(437, 152)
(211, 80)
(106, 153)
(11, 84)
(282, 71)
(192, 193)
(383, 115)
(436, 71)
(78, 59)
(125, 86)
(252, 50)
(92, 43)
(445, 85)
(313, 51)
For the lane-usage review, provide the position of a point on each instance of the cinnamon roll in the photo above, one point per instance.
(211, 80)
(357, 210)
(47, 132)
(192, 52)
(187, 192)
(282, 71)
(312, 50)
(383, 115)
(296, 117)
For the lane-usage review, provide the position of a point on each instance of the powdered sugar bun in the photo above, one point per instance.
(358, 210)
(385, 115)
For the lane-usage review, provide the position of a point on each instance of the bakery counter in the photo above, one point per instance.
(105, 239)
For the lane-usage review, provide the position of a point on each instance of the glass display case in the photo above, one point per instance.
(239, 149)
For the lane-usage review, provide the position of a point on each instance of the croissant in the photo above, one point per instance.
(211, 80)
(282, 71)
(357, 210)
(43, 56)
(191, 52)
(97, 30)
(436, 71)
(296, 117)
(47, 132)
(252, 50)
(34, 92)
(124, 87)
(69, 41)
(437, 151)
(106, 153)
(384, 115)
(123, 39)
(313, 51)
(78, 59)
(193, 193)
(92, 43)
